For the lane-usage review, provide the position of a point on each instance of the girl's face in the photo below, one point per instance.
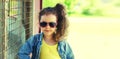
(48, 24)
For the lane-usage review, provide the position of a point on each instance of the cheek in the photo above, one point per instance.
(54, 29)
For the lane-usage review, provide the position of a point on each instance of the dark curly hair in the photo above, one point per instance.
(62, 23)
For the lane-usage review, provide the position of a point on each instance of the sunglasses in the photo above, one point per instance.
(51, 24)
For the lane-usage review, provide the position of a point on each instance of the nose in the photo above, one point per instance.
(47, 26)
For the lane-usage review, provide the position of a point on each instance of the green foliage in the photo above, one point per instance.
(51, 3)
(89, 11)
(85, 7)
(69, 4)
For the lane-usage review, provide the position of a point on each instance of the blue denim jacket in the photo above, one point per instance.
(33, 46)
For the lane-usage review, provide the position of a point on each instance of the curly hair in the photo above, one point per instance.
(62, 23)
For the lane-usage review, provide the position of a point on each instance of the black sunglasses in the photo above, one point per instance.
(51, 24)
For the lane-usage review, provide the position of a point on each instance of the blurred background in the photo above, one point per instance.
(88, 7)
(94, 26)
(94, 31)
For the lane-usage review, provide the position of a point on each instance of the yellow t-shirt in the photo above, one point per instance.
(48, 51)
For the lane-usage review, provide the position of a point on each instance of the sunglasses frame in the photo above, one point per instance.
(51, 24)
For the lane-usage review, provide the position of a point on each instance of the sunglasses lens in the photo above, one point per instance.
(43, 24)
(52, 24)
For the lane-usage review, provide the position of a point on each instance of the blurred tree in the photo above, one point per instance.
(84, 7)
(51, 3)
(70, 5)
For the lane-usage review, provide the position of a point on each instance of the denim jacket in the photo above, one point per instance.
(33, 46)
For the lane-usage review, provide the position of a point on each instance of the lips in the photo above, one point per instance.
(47, 30)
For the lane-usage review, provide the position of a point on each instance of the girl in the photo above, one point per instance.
(50, 43)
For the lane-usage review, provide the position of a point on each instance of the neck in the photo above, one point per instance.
(49, 40)
(48, 37)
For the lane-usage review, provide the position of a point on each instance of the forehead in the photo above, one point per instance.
(49, 18)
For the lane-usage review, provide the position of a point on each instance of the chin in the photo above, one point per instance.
(48, 34)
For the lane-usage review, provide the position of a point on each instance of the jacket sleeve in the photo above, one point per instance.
(69, 52)
(26, 49)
